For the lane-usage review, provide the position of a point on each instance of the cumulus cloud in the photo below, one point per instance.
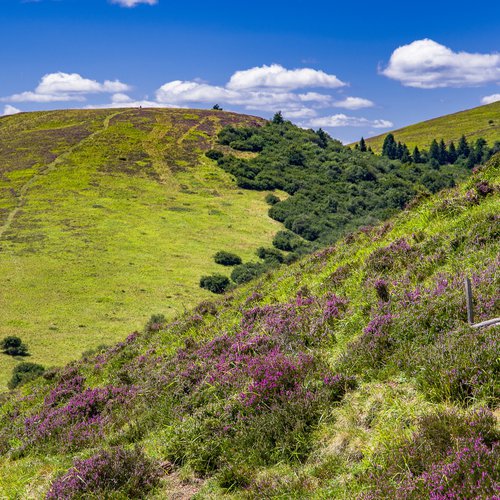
(10, 110)
(341, 120)
(278, 77)
(133, 3)
(488, 99)
(427, 64)
(54, 87)
(353, 103)
(179, 91)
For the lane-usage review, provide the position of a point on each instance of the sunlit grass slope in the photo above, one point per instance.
(351, 373)
(109, 216)
(483, 121)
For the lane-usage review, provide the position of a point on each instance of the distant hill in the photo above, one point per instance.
(109, 216)
(483, 121)
(350, 374)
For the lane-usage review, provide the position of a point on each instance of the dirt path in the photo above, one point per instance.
(47, 169)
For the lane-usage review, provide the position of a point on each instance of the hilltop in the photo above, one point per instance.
(109, 216)
(350, 373)
(483, 121)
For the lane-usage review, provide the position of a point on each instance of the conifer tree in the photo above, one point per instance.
(452, 153)
(443, 153)
(389, 148)
(278, 118)
(434, 153)
(463, 149)
(323, 138)
(362, 145)
(417, 157)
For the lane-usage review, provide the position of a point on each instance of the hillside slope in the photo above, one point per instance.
(109, 216)
(351, 373)
(483, 121)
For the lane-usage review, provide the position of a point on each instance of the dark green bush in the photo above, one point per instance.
(14, 346)
(227, 258)
(217, 283)
(213, 154)
(270, 255)
(286, 240)
(24, 372)
(272, 199)
(247, 272)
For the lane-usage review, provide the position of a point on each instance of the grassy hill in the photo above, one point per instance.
(109, 216)
(483, 121)
(349, 374)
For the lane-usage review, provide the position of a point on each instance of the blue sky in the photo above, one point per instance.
(352, 68)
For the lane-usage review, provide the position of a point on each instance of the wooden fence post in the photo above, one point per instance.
(468, 298)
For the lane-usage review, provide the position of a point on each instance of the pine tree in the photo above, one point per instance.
(417, 157)
(362, 145)
(389, 148)
(406, 157)
(323, 138)
(399, 151)
(278, 118)
(434, 153)
(452, 153)
(443, 153)
(481, 149)
(463, 149)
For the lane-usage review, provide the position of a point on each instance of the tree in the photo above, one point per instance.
(463, 149)
(217, 107)
(323, 138)
(247, 272)
(389, 148)
(443, 153)
(417, 157)
(434, 152)
(362, 145)
(452, 153)
(278, 118)
(14, 346)
(481, 149)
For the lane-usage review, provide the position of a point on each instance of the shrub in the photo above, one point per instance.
(156, 322)
(213, 154)
(247, 272)
(272, 199)
(271, 255)
(24, 372)
(286, 240)
(14, 346)
(117, 470)
(227, 259)
(217, 283)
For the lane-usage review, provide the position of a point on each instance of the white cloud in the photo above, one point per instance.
(488, 99)
(179, 91)
(10, 110)
(341, 120)
(427, 64)
(133, 3)
(55, 87)
(120, 98)
(278, 77)
(353, 103)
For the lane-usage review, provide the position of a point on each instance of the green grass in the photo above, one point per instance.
(107, 217)
(483, 121)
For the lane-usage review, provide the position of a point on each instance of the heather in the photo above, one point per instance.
(351, 373)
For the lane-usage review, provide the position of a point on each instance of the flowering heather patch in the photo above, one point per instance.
(130, 473)
(78, 421)
(388, 257)
(472, 471)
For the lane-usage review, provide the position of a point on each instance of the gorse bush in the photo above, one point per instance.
(24, 372)
(217, 283)
(247, 272)
(227, 259)
(156, 322)
(13, 346)
(117, 470)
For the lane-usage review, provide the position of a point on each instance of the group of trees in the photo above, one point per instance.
(439, 153)
(332, 189)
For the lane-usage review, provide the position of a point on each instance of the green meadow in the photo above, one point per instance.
(110, 216)
(483, 121)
